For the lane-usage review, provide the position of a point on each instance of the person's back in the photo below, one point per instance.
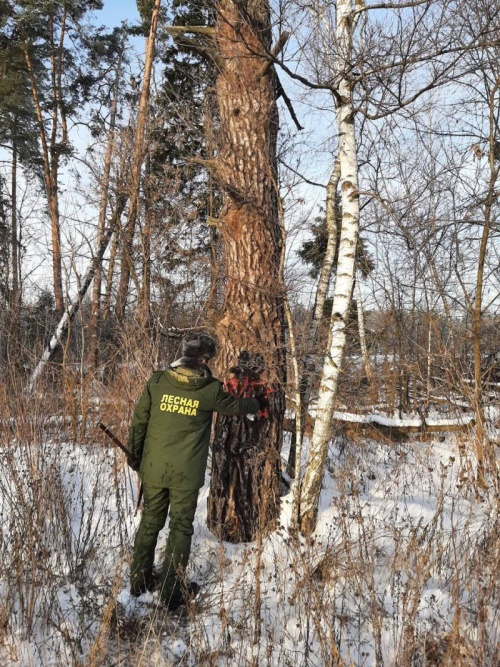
(169, 440)
(180, 402)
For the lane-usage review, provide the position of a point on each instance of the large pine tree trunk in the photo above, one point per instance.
(244, 493)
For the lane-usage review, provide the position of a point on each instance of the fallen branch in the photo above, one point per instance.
(391, 426)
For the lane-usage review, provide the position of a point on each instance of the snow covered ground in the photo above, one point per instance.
(402, 570)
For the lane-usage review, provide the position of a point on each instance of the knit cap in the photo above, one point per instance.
(198, 346)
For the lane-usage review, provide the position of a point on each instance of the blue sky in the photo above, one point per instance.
(116, 11)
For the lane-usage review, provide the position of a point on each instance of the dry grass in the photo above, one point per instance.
(402, 572)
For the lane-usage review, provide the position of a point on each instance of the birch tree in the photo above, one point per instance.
(326, 271)
(311, 485)
(373, 68)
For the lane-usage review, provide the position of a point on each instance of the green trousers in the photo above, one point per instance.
(157, 502)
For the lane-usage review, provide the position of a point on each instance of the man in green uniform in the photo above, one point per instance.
(168, 441)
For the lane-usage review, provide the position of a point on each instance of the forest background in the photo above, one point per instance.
(316, 185)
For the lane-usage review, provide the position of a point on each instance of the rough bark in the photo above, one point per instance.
(311, 486)
(244, 493)
(129, 231)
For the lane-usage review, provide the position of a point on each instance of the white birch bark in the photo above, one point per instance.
(304, 393)
(331, 249)
(311, 487)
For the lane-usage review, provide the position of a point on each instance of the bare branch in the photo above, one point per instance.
(195, 29)
(306, 180)
(389, 5)
(210, 164)
(204, 50)
(286, 100)
(278, 47)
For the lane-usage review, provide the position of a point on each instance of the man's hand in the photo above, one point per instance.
(263, 402)
(261, 393)
(135, 464)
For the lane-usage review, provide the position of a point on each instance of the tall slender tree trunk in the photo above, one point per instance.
(13, 348)
(95, 317)
(481, 435)
(332, 222)
(245, 484)
(311, 486)
(13, 344)
(428, 380)
(50, 163)
(14, 241)
(147, 228)
(113, 255)
(145, 294)
(309, 363)
(129, 231)
(362, 331)
(58, 137)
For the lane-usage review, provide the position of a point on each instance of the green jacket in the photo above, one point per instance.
(170, 430)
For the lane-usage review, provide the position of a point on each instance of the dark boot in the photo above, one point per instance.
(188, 593)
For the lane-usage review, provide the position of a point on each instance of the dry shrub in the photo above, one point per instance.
(382, 561)
(446, 650)
(360, 583)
